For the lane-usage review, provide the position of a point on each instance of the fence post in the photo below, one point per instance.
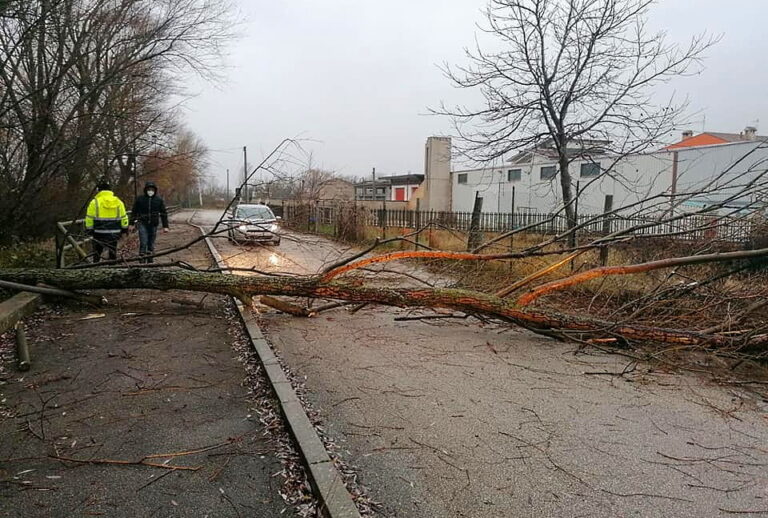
(417, 225)
(607, 208)
(474, 225)
(430, 222)
(384, 218)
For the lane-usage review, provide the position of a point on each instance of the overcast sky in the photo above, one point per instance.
(357, 77)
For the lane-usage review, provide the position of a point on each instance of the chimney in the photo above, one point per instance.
(750, 132)
(437, 186)
(687, 134)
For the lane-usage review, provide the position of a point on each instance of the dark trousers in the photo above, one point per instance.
(102, 241)
(147, 235)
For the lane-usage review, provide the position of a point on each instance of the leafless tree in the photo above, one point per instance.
(83, 81)
(573, 76)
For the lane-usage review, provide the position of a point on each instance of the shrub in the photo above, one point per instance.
(39, 254)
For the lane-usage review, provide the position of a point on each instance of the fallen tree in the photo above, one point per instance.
(354, 290)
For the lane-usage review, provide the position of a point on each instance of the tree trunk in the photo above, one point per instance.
(471, 302)
(568, 199)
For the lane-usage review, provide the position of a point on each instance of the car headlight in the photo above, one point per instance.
(273, 228)
(242, 228)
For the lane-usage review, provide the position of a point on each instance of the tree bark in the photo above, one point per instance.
(566, 185)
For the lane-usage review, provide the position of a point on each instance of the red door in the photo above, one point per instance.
(399, 193)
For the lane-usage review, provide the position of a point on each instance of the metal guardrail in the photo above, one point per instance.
(65, 241)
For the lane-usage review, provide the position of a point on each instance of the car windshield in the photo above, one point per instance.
(255, 212)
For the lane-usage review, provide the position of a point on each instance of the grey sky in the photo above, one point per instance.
(357, 76)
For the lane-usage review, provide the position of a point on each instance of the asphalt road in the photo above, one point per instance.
(469, 420)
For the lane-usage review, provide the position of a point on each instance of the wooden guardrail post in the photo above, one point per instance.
(22, 347)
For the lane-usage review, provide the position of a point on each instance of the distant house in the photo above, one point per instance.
(389, 188)
(711, 138)
(336, 189)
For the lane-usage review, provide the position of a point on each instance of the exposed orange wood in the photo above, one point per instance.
(537, 275)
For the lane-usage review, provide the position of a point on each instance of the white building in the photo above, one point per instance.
(533, 184)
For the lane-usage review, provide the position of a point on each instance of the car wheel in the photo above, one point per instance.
(276, 242)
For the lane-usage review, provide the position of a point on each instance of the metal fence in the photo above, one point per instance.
(693, 227)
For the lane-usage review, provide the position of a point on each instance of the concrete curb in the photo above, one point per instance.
(326, 481)
(17, 307)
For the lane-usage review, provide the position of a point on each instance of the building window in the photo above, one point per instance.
(379, 190)
(590, 170)
(548, 172)
(462, 178)
(514, 175)
(369, 190)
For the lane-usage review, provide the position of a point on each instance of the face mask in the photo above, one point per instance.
(150, 193)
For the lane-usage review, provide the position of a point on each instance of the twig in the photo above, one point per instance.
(216, 473)
(627, 370)
(345, 400)
(649, 495)
(192, 452)
(431, 317)
(358, 308)
(141, 462)
(155, 480)
(747, 511)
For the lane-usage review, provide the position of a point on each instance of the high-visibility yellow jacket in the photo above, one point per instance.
(106, 214)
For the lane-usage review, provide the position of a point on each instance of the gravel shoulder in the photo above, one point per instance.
(150, 379)
(470, 420)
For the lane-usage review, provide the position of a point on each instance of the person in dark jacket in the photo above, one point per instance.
(148, 212)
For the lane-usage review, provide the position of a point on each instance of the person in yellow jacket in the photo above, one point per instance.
(105, 220)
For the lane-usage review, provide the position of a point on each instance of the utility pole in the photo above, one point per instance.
(245, 173)
(227, 196)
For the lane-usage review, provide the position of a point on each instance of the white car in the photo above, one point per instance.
(254, 223)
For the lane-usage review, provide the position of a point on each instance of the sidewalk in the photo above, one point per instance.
(148, 380)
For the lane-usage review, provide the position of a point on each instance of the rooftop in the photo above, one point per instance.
(708, 138)
(400, 179)
(575, 149)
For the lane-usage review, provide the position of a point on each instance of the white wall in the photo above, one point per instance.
(735, 164)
